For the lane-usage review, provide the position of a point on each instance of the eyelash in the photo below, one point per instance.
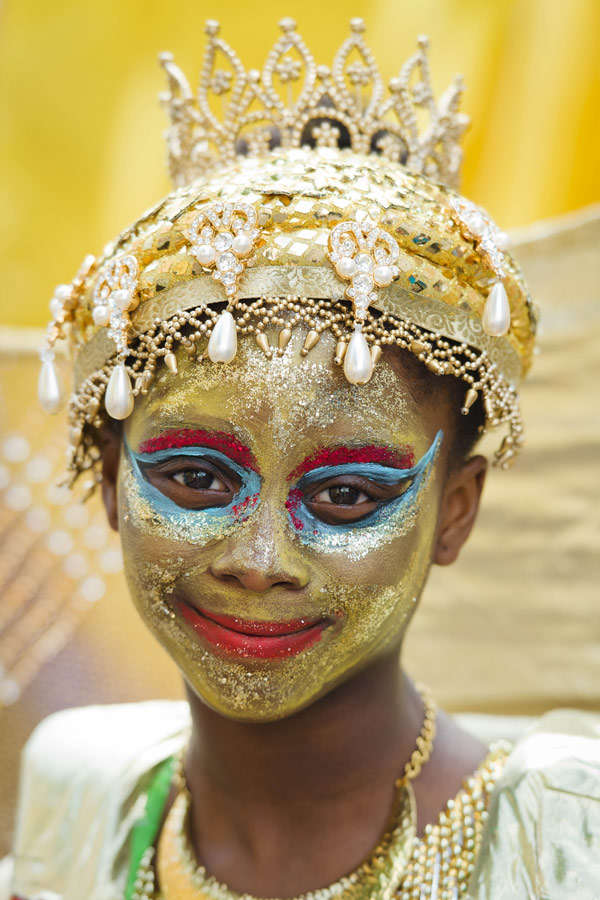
(361, 492)
(172, 468)
(197, 471)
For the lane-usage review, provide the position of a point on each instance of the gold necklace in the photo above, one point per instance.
(398, 867)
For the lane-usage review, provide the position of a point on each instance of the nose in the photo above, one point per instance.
(258, 557)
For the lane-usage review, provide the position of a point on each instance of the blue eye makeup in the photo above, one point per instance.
(385, 518)
(198, 523)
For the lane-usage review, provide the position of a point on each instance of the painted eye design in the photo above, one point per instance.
(351, 499)
(193, 484)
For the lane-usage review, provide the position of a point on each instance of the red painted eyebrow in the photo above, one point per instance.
(336, 456)
(189, 437)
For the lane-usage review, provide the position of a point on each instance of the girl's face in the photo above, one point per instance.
(278, 523)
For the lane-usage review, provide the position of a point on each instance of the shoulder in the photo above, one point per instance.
(100, 739)
(83, 772)
(543, 833)
(560, 744)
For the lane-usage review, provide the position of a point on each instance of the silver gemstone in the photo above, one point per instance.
(362, 284)
(228, 278)
(364, 262)
(223, 241)
(226, 262)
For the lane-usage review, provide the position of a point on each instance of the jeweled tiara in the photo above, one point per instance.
(294, 102)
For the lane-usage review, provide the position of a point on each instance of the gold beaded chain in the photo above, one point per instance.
(440, 863)
(422, 751)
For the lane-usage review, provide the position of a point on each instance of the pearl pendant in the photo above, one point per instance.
(171, 362)
(358, 363)
(119, 398)
(49, 389)
(222, 345)
(496, 313)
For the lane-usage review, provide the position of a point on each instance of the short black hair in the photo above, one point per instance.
(451, 392)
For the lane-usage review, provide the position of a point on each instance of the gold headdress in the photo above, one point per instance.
(315, 203)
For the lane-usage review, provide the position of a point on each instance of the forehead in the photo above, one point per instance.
(283, 400)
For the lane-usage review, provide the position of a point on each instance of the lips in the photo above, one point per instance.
(245, 638)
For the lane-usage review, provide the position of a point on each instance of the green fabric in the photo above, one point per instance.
(145, 829)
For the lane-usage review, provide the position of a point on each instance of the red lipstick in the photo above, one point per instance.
(261, 640)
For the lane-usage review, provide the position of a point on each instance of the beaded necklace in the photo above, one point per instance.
(400, 867)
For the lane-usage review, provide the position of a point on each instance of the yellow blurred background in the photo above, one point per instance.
(82, 151)
(510, 629)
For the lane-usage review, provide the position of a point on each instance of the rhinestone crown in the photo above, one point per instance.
(294, 102)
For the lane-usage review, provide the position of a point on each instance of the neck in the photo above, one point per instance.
(270, 791)
(369, 722)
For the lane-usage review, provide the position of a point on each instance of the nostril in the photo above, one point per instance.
(287, 583)
(227, 577)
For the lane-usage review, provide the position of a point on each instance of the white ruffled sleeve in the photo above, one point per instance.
(84, 775)
(542, 839)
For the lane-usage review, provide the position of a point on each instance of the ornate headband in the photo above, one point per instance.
(325, 212)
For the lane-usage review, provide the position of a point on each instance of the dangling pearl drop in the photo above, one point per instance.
(119, 398)
(222, 345)
(49, 389)
(496, 313)
(358, 362)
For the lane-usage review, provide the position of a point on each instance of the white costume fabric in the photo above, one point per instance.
(85, 774)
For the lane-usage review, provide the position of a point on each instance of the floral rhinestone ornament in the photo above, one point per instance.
(366, 256)
(223, 236)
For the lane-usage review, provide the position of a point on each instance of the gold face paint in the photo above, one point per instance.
(269, 492)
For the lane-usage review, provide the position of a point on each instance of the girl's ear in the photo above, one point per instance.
(110, 446)
(458, 510)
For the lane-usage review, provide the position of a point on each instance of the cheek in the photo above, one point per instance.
(384, 592)
(386, 565)
(162, 543)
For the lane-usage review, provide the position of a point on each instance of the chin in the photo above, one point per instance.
(259, 697)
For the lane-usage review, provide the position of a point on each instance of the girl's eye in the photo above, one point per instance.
(188, 485)
(199, 480)
(355, 498)
(341, 495)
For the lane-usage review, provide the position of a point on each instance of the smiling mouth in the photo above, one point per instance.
(262, 640)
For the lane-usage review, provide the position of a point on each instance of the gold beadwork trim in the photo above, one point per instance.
(318, 282)
(260, 317)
